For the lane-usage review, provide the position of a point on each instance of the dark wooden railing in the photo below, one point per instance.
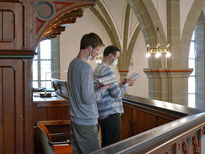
(151, 126)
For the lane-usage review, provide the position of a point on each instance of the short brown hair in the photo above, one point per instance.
(90, 39)
(110, 50)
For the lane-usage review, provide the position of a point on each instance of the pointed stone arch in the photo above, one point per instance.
(126, 46)
(190, 23)
(107, 23)
(150, 24)
(146, 15)
(124, 59)
(156, 21)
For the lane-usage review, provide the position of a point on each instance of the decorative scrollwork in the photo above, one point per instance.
(184, 147)
(196, 145)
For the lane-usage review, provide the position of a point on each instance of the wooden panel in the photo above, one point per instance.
(137, 119)
(19, 104)
(11, 107)
(161, 121)
(50, 113)
(8, 26)
(143, 121)
(1, 26)
(28, 106)
(12, 28)
(1, 113)
(40, 113)
(9, 110)
(63, 113)
(126, 130)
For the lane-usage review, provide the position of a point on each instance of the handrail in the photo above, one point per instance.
(161, 105)
(152, 140)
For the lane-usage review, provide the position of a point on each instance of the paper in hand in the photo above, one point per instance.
(134, 75)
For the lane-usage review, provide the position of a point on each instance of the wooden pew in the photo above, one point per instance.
(55, 107)
(52, 136)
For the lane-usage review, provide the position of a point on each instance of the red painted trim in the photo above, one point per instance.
(65, 4)
(121, 71)
(157, 71)
(39, 27)
(184, 146)
(197, 148)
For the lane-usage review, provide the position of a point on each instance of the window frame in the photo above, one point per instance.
(54, 60)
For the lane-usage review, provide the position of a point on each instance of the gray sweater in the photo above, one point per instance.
(83, 98)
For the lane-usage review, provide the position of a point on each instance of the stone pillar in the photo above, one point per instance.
(168, 84)
(55, 58)
(178, 58)
(169, 80)
(199, 63)
(123, 74)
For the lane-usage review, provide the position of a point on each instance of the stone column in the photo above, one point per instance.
(199, 63)
(55, 58)
(168, 84)
(123, 74)
(169, 81)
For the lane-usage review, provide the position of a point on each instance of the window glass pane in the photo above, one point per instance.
(191, 79)
(35, 84)
(192, 65)
(46, 84)
(35, 70)
(191, 100)
(36, 56)
(192, 50)
(45, 70)
(45, 49)
(193, 36)
(191, 86)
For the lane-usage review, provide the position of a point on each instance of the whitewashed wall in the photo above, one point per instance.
(70, 44)
(138, 62)
(70, 39)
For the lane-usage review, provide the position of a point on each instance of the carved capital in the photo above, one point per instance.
(168, 73)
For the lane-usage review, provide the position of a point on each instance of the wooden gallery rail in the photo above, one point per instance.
(151, 126)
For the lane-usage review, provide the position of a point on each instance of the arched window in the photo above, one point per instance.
(46, 63)
(191, 79)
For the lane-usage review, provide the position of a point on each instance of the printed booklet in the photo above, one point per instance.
(107, 79)
(112, 78)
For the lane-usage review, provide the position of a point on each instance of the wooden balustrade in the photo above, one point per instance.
(148, 126)
(159, 127)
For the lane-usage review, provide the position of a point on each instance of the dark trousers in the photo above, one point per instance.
(110, 129)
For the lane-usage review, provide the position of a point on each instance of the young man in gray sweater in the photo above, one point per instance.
(83, 98)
